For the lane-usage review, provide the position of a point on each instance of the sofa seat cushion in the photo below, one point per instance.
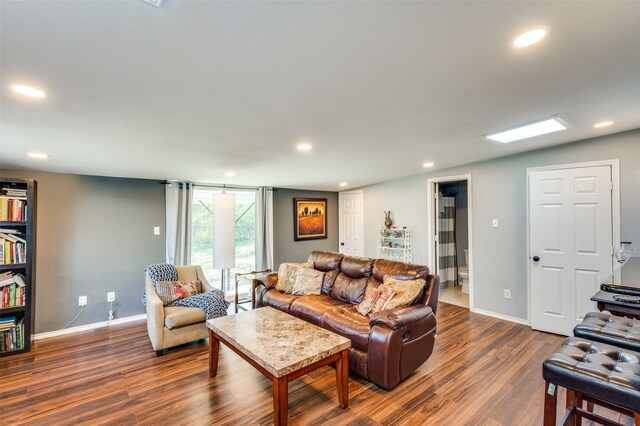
(278, 300)
(347, 322)
(179, 316)
(311, 308)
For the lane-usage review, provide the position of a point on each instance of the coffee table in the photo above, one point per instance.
(283, 348)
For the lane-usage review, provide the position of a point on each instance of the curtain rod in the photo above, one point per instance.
(213, 185)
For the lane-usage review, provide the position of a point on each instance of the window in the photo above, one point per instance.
(201, 233)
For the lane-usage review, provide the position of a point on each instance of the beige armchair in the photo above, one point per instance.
(175, 325)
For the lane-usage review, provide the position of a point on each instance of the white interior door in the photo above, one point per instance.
(571, 243)
(351, 223)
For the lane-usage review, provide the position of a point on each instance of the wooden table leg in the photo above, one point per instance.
(571, 404)
(280, 400)
(214, 349)
(342, 378)
(550, 403)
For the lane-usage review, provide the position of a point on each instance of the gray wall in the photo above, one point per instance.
(499, 191)
(284, 248)
(94, 235)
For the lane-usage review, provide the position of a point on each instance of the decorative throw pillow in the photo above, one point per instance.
(386, 293)
(370, 297)
(308, 281)
(406, 291)
(287, 275)
(168, 291)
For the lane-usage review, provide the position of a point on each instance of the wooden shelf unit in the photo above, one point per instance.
(28, 269)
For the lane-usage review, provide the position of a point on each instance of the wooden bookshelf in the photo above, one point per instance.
(27, 231)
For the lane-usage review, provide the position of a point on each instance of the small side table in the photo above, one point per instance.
(606, 302)
(247, 276)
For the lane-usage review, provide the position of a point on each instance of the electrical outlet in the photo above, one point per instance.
(82, 301)
(156, 230)
(111, 296)
(494, 223)
(507, 293)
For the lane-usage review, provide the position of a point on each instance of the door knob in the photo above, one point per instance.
(341, 244)
(536, 258)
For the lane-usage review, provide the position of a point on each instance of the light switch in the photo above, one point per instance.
(156, 230)
(495, 223)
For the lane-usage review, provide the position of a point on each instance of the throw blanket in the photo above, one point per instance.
(211, 302)
(159, 272)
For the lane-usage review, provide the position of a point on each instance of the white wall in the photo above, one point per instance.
(499, 191)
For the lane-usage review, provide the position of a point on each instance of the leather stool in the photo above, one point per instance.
(594, 372)
(606, 328)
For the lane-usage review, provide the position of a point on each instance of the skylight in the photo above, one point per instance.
(539, 128)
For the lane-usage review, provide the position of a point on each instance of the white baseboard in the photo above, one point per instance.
(86, 327)
(500, 316)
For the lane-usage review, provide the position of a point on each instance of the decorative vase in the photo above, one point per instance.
(387, 219)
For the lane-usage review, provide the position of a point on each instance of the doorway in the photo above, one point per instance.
(573, 227)
(450, 238)
(351, 223)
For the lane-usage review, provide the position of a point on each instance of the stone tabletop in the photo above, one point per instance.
(278, 342)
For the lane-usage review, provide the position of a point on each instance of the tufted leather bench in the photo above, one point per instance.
(594, 372)
(606, 328)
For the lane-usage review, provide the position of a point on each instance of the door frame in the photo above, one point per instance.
(615, 209)
(340, 221)
(431, 228)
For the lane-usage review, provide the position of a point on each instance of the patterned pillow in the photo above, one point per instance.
(308, 281)
(386, 293)
(287, 275)
(370, 297)
(168, 291)
(406, 291)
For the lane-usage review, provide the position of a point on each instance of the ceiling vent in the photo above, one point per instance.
(155, 3)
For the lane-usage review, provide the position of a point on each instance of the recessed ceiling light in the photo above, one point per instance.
(38, 155)
(343, 184)
(304, 146)
(527, 131)
(429, 164)
(603, 124)
(530, 37)
(230, 174)
(28, 91)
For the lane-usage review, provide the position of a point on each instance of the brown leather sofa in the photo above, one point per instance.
(385, 347)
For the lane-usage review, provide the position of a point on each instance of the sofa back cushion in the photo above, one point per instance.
(398, 270)
(351, 282)
(325, 260)
(329, 263)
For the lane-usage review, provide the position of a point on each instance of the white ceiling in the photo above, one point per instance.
(194, 89)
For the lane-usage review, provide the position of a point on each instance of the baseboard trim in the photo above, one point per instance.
(500, 316)
(87, 327)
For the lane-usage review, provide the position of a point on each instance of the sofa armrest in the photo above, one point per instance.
(394, 319)
(269, 281)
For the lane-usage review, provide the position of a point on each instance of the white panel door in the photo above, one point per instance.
(351, 223)
(571, 243)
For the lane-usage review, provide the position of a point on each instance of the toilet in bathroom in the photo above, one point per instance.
(463, 273)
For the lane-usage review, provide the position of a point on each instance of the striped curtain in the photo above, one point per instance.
(447, 260)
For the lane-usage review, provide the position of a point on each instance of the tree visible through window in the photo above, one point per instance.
(201, 233)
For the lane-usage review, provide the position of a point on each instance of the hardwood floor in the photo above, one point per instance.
(483, 371)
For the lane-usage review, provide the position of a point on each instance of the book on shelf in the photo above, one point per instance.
(13, 191)
(13, 209)
(13, 249)
(12, 278)
(13, 296)
(11, 333)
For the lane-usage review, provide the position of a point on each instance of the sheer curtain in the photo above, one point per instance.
(264, 229)
(178, 199)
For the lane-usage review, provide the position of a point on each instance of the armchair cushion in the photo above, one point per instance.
(176, 316)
